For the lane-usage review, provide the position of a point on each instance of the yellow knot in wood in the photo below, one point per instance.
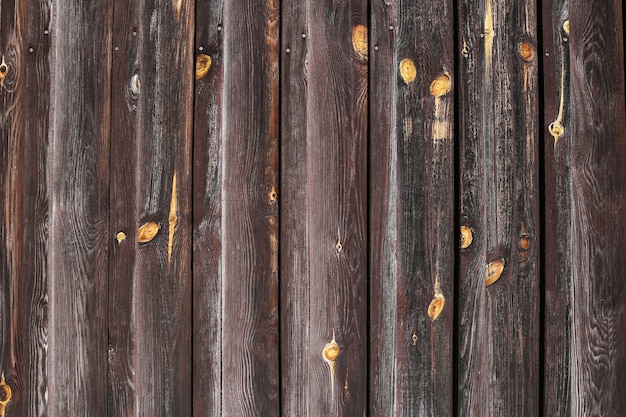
(566, 26)
(526, 51)
(5, 396)
(4, 70)
(407, 70)
(331, 351)
(359, 41)
(440, 85)
(436, 306)
(147, 232)
(273, 195)
(203, 64)
(493, 271)
(556, 129)
(466, 237)
(120, 236)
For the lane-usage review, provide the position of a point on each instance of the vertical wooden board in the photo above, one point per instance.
(503, 113)
(412, 209)
(207, 209)
(125, 90)
(250, 345)
(557, 203)
(510, 133)
(472, 319)
(294, 236)
(15, 302)
(585, 170)
(33, 316)
(324, 183)
(163, 272)
(79, 229)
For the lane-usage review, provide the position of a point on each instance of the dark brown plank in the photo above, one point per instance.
(125, 90)
(499, 325)
(294, 240)
(30, 389)
(585, 200)
(557, 176)
(412, 234)
(250, 373)
(79, 212)
(207, 210)
(324, 214)
(163, 273)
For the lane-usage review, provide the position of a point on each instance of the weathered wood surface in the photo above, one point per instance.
(121, 240)
(79, 209)
(585, 179)
(412, 236)
(24, 99)
(207, 209)
(163, 272)
(499, 271)
(139, 225)
(249, 239)
(324, 208)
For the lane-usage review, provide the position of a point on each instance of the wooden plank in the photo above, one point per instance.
(34, 192)
(557, 176)
(499, 339)
(24, 104)
(163, 272)
(294, 239)
(585, 200)
(412, 196)
(324, 215)
(250, 361)
(125, 90)
(79, 211)
(207, 210)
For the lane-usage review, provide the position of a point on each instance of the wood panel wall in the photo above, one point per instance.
(307, 208)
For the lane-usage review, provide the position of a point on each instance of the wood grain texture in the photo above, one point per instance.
(207, 212)
(35, 194)
(163, 273)
(499, 339)
(125, 91)
(79, 230)
(324, 222)
(412, 240)
(249, 230)
(586, 176)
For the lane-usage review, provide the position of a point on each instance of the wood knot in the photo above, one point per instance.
(203, 64)
(524, 243)
(556, 129)
(331, 351)
(436, 306)
(526, 51)
(5, 395)
(466, 237)
(4, 70)
(407, 70)
(135, 85)
(359, 41)
(147, 232)
(440, 85)
(493, 271)
(273, 195)
(566, 27)
(120, 236)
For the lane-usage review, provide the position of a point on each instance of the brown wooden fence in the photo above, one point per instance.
(312, 208)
